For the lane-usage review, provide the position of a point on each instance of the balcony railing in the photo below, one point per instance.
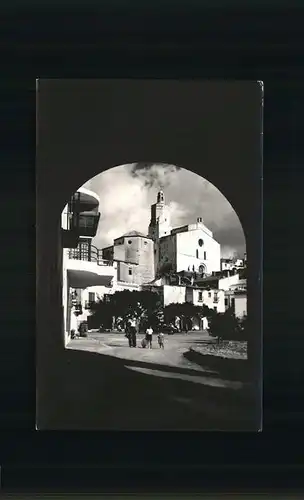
(88, 253)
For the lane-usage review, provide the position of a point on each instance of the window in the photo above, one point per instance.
(200, 296)
(145, 243)
(215, 309)
(200, 242)
(130, 272)
(226, 302)
(232, 302)
(209, 294)
(91, 297)
(197, 254)
(205, 255)
(130, 241)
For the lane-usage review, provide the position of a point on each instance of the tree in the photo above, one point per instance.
(144, 306)
(186, 311)
(101, 314)
(226, 326)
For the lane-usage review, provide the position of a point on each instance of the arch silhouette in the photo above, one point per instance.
(178, 166)
(86, 127)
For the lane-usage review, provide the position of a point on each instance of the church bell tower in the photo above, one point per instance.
(160, 224)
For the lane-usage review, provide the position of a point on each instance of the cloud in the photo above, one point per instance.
(154, 175)
(126, 193)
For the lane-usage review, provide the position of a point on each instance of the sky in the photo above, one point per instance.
(126, 193)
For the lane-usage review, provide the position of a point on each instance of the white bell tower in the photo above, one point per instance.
(160, 224)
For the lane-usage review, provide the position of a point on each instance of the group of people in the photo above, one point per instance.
(131, 334)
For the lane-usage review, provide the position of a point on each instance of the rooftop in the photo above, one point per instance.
(133, 233)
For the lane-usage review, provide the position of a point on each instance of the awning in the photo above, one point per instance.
(83, 279)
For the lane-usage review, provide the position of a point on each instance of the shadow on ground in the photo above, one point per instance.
(94, 391)
(227, 368)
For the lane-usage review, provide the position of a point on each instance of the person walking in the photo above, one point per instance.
(149, 336)
(128, 333)
(133, 333)
(161, 340)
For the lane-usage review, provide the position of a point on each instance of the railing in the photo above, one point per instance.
(88, 253)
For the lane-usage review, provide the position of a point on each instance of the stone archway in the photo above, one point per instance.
(85, 127)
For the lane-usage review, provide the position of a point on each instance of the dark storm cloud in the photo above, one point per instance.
(156, 175)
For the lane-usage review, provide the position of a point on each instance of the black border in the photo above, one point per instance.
(260, 43)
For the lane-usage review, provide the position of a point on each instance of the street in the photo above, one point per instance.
(116, 345)
(101, 383)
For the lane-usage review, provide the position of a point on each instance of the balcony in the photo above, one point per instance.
(84, 223)
(89, 253)
(81, 218)
(86, 267)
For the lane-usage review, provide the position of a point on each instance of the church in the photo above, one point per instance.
(188, 248)
(142, 258)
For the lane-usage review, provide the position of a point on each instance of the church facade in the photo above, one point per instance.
(187, 248)
(141, 258)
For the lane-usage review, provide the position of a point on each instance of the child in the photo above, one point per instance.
(149, 335)
(161, 340)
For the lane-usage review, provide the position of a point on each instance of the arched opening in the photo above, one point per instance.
(119, 250)
(72, 150)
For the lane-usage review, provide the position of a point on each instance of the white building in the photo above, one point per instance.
(83, 266)
(236, 298)
(240, 305)
(134, 254)
(230, 264)
(187, 248)
(214, 299)
(219, 282)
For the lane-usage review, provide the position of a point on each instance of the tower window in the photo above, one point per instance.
(197, 254)
(200, 242)
(130, 272)
(205, 255)
(130, 241)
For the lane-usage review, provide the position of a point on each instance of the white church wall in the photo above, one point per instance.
(190, 254)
